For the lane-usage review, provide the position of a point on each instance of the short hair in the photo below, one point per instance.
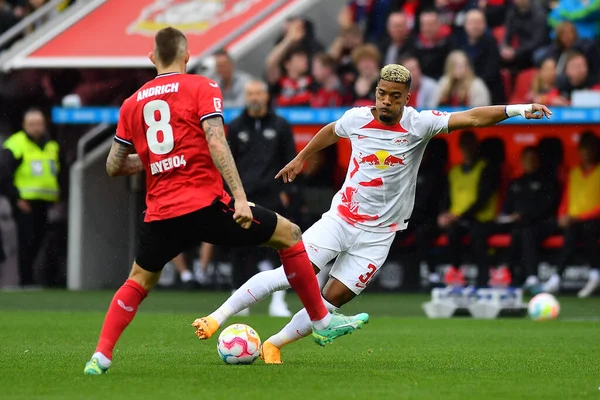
(430, 11)
(263, 84)
(572, 54)
(588, 140)
(404, 58)
(170, 44)
(222, 52)
(395, 73)
(466, 138)
(327, 60)
(294, 51)
(530, 150)
(33, 110)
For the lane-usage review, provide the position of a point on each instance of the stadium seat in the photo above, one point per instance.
(522, 86)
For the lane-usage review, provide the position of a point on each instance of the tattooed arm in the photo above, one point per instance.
(121, 161)
(221, 155)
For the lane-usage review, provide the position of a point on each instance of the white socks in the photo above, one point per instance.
(299, 327)
(102, 360)
(257, 288)
(187, 276)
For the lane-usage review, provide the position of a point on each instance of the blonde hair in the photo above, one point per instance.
(395, 73)
(453, 86)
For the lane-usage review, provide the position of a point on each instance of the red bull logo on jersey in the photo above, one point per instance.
(189, 16)
(381, 159)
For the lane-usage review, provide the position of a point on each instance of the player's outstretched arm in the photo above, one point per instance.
(324, 138)
(121, 161)
(486, 116)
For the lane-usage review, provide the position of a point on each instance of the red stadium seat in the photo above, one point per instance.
(522, 86)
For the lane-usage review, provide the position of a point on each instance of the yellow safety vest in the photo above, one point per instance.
(463, 192)
(583, 191)
(36, 178)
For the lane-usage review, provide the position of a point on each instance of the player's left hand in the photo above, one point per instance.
(242, 214)
(290, 171)
(539, 111)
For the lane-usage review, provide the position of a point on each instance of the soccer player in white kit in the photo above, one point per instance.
(350, 243)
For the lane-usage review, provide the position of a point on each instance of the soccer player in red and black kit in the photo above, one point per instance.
(172, 128)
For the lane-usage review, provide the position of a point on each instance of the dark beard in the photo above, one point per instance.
(386, 119)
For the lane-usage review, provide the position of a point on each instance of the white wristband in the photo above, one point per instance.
(517, 109)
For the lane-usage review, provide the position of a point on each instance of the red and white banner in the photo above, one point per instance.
(119, 33)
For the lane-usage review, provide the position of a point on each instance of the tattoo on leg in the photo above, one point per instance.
(296, 232)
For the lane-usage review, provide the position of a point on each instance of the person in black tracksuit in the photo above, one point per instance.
(530, 206)
(261, 143)
(432, 188)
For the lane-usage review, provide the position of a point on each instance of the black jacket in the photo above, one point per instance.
(533, 196)
(432, 188)
(529, 28)
(261, 147)
(485, 57)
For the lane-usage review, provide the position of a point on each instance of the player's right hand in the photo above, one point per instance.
(290, 171)
(243, 214)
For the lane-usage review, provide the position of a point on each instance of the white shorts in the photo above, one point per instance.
(360, 254)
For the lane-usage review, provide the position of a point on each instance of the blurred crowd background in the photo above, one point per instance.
(461, 53)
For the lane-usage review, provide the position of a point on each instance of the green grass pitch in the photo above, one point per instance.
(46, 338)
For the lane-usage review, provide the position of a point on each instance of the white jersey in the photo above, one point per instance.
(378, 194)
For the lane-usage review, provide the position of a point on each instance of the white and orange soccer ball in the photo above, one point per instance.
(543, 307)
(238, 344)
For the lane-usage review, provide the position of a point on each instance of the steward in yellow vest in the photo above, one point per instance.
(29, 170)
(579, 216)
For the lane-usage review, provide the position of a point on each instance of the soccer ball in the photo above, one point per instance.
(543, 307)
(238, 344)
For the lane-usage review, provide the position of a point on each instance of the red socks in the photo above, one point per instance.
(120, 313)
(301, 276)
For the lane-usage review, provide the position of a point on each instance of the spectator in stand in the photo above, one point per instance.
(7, 19)
(585, 14)
(422, 88)
(471, 209)
(433, 44)
(482, 50)
(341, 51)
(327, 90)
(530, 209)
(579, 216)
(576, 77)
(303, 33)
(544, 82)
(369, 15)
(32, 6)
(293, 88)
(366, 60)
(494, 10)
(452, 11)
(290, 85)
(459, 87)
(525, 32)
(399, 41)
(566, 41)
(231, 81)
